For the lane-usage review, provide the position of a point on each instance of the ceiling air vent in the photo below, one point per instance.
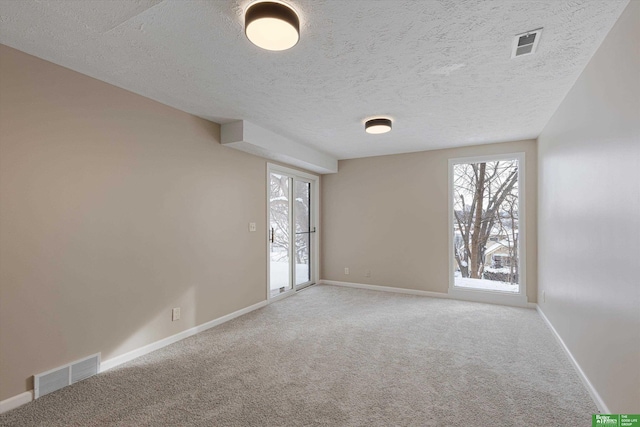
(526, 43)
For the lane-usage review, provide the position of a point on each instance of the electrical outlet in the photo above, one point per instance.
(346, 270)
(175, 314)
(367, 273)
(252, 226)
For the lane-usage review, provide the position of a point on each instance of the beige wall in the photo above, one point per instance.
(589, 234)
(389, 215)
(113, 210)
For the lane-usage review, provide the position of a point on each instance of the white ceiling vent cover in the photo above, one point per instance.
(63, 376)
(526, 43)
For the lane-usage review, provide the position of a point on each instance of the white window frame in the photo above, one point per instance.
(491, 296)
(315, 223)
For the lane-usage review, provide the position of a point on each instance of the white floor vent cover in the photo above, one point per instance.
(63, 376)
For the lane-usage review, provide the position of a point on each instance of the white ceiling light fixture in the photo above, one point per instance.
(272, 26)
(377, 126)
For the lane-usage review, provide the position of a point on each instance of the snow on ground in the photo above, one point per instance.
(280, 274)
(492, 285)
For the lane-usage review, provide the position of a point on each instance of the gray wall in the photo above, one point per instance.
(389, 215)
(114, 209)
(589, 217)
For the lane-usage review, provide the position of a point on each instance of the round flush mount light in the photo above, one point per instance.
(272, 26)
(377, 126)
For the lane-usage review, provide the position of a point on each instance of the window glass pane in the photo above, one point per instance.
(485, 225)
(303, 231)
(279, 234)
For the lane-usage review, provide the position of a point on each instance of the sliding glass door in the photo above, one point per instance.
(280, 228)
(303, 231)
(292, 231)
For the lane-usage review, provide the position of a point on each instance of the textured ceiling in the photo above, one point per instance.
(440, 69)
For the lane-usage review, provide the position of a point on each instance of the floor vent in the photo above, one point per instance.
(63, 376)
(526, 43)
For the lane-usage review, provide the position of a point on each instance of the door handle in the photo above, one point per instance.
(307, 232)
(272, 234)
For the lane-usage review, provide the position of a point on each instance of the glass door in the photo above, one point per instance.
(302, 211)
(280, 232)
(292, 241)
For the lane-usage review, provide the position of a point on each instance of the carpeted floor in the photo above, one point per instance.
(332, 356)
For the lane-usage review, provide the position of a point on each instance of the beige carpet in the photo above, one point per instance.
(333, 356)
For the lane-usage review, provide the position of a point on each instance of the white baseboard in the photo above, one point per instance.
(15, 401)
(384, 289)
(421, 293)
(602, 407)
(491, 297)
(26, 397)
(126, 357)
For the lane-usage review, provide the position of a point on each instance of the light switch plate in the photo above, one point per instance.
(252, 226)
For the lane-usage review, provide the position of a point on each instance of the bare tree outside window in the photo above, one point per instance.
(279, 203)
(485, 221)
(290, 231)
(302, 222)
(279, 233)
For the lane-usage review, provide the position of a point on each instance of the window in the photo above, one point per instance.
(487, 224)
